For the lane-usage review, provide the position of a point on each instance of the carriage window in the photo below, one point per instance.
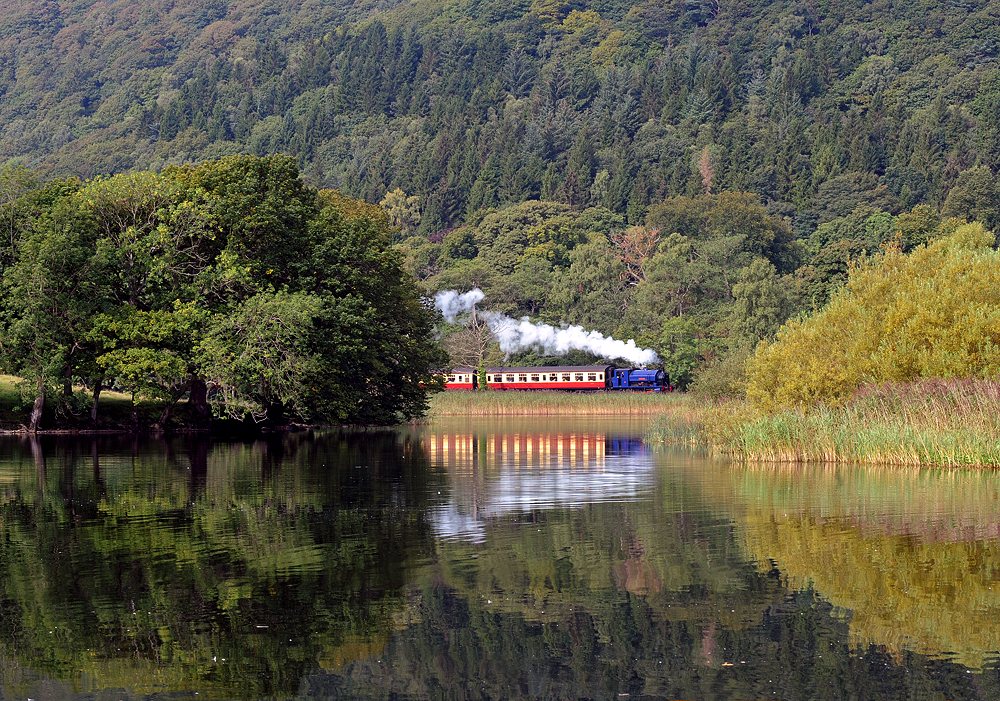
(451, 378)
(522, 378)
(534, 378)
(578, 377)
(566, 377)
(510, 378)
(591, 377)
(600, 376)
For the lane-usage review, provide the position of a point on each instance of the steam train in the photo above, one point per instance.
(565, 378)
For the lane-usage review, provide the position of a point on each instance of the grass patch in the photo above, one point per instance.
(554, 404)
(941, 423)
(115, 411)
(10, 398)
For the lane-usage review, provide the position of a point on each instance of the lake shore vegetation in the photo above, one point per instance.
(901, 367)
(928, 423)
(230, 287)
(492, 403)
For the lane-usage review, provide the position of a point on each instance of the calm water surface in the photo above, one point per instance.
(499, 559)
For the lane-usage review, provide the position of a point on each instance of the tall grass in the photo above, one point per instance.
(554, 404)
(934, 422)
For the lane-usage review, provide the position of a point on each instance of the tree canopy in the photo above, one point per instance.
(815, 108)
(230, 282)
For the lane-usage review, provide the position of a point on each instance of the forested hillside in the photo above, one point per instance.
(690, 173)
(815, 106)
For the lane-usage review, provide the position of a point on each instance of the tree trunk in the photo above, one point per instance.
(168, 410)
(275, 414)
(37, 408)
(98, 387)
(68, 381)
(165, 416)
(198, 399)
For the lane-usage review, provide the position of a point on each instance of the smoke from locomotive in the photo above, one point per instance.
(516, 335)
(453, 304)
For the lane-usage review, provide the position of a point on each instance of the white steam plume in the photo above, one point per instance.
(452, 305)
(515, 335)
(518, 335)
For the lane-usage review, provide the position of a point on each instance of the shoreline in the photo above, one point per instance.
(224, 433)
(925, 424)
(552, 403)
(931, 423)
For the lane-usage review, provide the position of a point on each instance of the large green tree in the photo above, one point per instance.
(230, 281)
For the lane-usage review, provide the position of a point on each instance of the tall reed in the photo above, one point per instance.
(933, 422)
(554, 404)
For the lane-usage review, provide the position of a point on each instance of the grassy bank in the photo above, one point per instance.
(115, 411)
(10, 397)
(555, 404)
(943, 423)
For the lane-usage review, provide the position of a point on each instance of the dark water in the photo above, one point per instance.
(488, 559)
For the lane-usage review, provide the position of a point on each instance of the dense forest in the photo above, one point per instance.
(814, 106)
(690, 174)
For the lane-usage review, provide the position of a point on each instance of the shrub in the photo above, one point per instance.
(934, 313)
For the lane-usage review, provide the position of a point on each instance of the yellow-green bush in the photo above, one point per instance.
(932, 313)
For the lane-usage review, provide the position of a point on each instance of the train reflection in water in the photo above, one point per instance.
(506, 475)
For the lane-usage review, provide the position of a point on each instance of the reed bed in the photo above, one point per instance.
(556, 404)
(936, 422)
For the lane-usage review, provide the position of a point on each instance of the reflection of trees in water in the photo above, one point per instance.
(464, 648)
(186, 565)
(931, 597)
(911, 554)
(241, 569)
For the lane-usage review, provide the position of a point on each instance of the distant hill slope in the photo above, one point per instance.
(817, 105)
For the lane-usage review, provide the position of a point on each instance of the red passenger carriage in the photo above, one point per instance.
(576, 377)
(460, 378)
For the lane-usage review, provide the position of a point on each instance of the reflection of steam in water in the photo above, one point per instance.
(501, 474)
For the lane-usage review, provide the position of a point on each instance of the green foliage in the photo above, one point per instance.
(679, 349)
(975, 196)
(732, 228)
(262, 350)
(591, 290)
(725, 376)
(288, 302)
(608, 105)
(760, 303)
(901, 317)
(498, 136)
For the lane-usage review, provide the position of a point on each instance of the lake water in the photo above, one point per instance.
(500, 559)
